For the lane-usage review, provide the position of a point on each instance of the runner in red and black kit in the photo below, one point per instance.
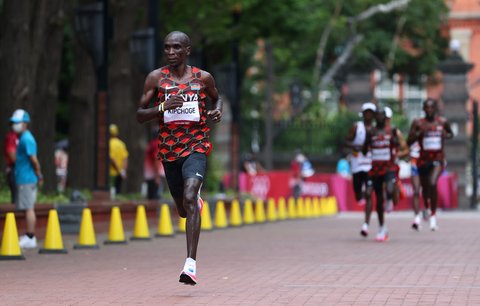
(179, 92)
(385, 147)
(430, 132)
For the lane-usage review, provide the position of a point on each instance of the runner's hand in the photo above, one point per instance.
(175, 101)
(215, 115)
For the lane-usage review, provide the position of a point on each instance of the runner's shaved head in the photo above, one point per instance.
(180, 36)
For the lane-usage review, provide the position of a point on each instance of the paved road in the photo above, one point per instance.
(300, 262)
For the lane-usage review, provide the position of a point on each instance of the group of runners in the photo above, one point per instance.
(377, 147)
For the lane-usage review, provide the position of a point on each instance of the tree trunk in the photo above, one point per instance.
(82, 123)
(31, 67)
(124, 95)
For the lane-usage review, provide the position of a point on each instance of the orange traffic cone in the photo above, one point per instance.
(165, 227)
(116, 235)
(10, 248)
(235, 214)
(206, 217)
(140, 230)
(53, 243)
(86, 238)
(248, 215)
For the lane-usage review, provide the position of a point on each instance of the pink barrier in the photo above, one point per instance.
(276, 184)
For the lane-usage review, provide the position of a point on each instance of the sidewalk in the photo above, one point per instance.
(299, 262)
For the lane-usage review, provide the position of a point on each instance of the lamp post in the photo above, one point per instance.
(142, 48)
(92, 30)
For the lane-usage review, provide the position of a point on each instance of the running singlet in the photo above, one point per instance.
(383, 154)
(358, 161)
(183, 130)
(431, 141)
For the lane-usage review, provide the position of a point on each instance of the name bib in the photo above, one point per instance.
(432, 143)
(188, 113)
(381, 154)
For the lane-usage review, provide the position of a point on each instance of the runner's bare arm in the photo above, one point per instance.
(413, 133)
(144, 113)
(211, 90)
(402, 145)
(448, 133)
(350, 137)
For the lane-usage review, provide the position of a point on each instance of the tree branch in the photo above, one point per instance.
(380, 8)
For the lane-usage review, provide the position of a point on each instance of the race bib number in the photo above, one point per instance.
(188, 113)
(381, 154)
(433, 143)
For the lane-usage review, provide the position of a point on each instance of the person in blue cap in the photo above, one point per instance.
(28, 175)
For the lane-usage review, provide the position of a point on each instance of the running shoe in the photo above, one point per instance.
(188, 274)
(416, 223)
(426, 214)
(433, 223)
(382, 235)
(364, 231)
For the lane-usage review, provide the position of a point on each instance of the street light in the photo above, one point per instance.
(91, 27)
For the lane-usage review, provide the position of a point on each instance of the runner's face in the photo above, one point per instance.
(368, 115)
(429, 109)
(175, 51)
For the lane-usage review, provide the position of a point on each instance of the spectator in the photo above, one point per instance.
(301, 168)
(61, 164)
(153, 171)
(250, 164)
(118, 159)
(343, 166)
(27, 175)
(10, 149)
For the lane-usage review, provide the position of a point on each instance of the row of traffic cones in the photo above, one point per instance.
(53, 244)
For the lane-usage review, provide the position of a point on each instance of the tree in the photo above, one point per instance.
(31, 36)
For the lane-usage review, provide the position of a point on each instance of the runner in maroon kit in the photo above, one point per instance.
(430, 132)
(385, 146)
(179, 92)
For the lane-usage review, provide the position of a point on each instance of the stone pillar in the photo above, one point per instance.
(454, 98)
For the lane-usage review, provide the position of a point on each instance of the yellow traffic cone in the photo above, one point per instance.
(86, 238)
(300, 208)
(248, 215)
(165, 227)
(140, 230)
(220, 215)
(206, 217)
(316, 207)
(271, 211)
(308, 208)
(10, 247)
(116, 235)
(53, 243)
(282, 209)
(332, 206)
(235, 214)
(259, 211)
(323, 206)
(182, 225)
(292, 209)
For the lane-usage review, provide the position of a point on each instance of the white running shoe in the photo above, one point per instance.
(382, 235)
(433, 223)
(364, 231)
(27, 243)
(416, 225)
(188, 276)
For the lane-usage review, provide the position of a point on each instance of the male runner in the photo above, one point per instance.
(430, 132)
(385, 145)
(180, 91)
(361, 163)
(415, 178)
